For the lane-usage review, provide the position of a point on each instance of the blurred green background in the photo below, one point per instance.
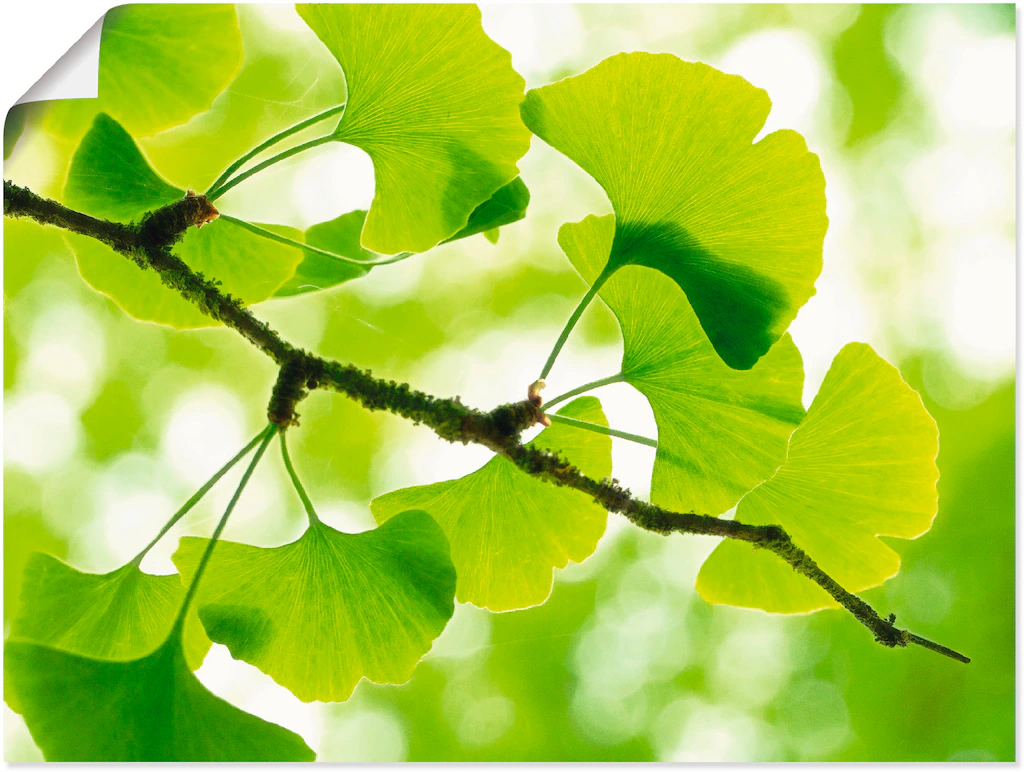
(109, 423)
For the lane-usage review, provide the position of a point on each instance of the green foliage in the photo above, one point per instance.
(14, 125)
(862, 464)
(110, 178)
(714, 245)
(122, 615)
(435, 103)
(162, 64)
(738, 226)
(507, 529)
(341, 236)
(720, 431)
(321, 613)
(147, 709)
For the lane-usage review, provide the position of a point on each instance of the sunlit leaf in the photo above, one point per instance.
(720, 431)
(110, 178)
(162, 64)
(287, 76)
(862, 464)
(739, 226)
(319, 614)
(124, 614)
(508, 530)
(341, 236)
(148, 709)
(435, 104)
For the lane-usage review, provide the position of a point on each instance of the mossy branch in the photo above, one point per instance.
(149, 245)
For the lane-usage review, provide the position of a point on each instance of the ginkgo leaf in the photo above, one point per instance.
(737, 225)
(720, 431)
(320, 272)
(148, 709)
(508, 530)
(861, 465)
(124, 614)
(110, 178)
(319, 614)
(341, 236)
(435, 103)
(162, 64)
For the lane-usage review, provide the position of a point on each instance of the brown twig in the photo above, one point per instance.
(499, 429)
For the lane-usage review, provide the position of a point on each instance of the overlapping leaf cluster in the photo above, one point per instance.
(714, 245)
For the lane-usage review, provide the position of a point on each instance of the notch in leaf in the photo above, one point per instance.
(319, 614)
(435, 104)
(508, 530)
(738, 225)
(861, 465)
(121, 615)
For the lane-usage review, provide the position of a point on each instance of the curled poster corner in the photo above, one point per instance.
(75, 75)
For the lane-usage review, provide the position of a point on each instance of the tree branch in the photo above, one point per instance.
(499, 429)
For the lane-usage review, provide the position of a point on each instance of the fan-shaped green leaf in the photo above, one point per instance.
(110, 178)
(739, 226)
(121, 615)
(341, 236)
(162, 64)
(720, 431)
(861, 464)
(507, 529)
(435, 104)
(148, 709)
(319, 614)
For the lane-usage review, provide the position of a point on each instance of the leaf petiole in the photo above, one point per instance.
(219, 191)
(269, 234)
(591, 294)
(273, 141)
(198, 495)
(310, 512)
(617, 378)
(597, 428)
(265, 437)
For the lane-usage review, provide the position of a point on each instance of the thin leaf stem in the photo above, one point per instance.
(597, 428)
(269, 234)
(197, 496)
(265, 438)
(591, 294)
(618, 378)
(219, 191)
(297, 484)
(282, 135)
(498, 430)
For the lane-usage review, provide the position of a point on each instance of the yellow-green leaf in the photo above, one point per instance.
(122, 615)
(110, 178)
(720, 431)
(147, 709)
(319, 614)
(162, 64)
(341, 236)
(435, 104)
(861, 465)
(738, 225)
(508, 530)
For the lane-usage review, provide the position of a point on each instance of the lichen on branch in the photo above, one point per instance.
(149, 245)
